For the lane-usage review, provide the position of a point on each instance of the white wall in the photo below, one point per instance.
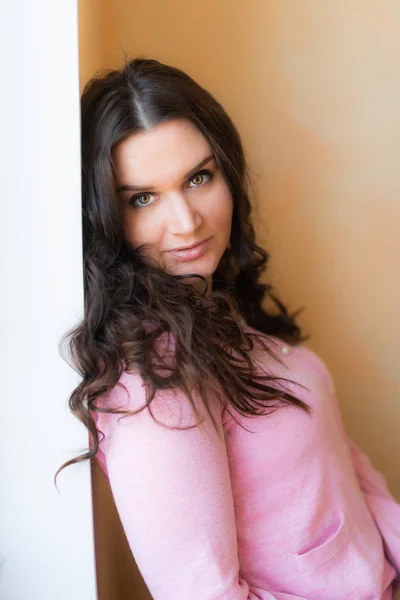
(46, 537)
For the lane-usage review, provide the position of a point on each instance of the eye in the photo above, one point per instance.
(201, 177)
(140, 200)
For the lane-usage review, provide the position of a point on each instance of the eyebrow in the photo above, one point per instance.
(135, 188)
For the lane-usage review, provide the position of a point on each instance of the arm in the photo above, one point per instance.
(382, 505)
(173, 493)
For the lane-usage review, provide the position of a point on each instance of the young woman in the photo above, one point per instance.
(218, 430)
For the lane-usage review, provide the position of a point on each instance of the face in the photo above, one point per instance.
(172, 195)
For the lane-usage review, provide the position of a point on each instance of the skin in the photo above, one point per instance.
(169, 210)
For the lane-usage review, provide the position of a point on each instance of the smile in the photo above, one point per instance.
(190, 253)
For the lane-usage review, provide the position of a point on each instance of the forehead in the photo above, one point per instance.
(160, 155)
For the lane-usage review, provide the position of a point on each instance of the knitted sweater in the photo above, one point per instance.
(279, 507)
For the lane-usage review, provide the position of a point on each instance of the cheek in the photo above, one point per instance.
(220, 212)
(142, 227)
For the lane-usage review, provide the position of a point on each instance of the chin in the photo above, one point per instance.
(205, 266)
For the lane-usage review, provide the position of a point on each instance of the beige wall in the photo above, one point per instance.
(314, 89)
(96, 22)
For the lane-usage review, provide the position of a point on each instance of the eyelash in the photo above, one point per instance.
(135, 198)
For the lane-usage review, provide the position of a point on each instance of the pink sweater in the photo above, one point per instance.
(288, 509)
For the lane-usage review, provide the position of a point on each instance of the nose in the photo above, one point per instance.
(183, 218)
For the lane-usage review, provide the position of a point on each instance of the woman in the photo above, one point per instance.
(218, 430)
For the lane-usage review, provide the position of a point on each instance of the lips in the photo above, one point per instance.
(190, 253)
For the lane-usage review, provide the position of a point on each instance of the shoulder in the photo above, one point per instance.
(130, 399)
(297, 362)
(129, 393)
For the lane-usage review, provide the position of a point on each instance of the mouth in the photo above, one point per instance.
(190, 252)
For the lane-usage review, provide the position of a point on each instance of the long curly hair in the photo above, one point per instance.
(123, 295)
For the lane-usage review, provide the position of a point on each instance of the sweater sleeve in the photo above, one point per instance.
(173, 494)
(382, 505)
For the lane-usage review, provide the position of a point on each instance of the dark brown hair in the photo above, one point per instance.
(122, 293)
